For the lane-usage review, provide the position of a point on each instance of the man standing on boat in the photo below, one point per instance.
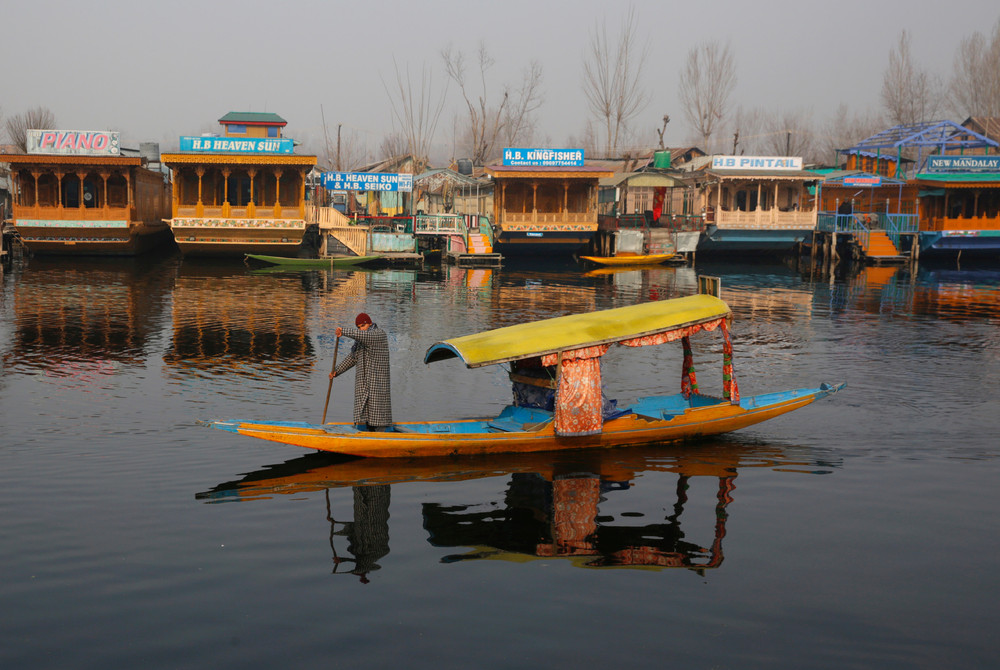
(370, 357)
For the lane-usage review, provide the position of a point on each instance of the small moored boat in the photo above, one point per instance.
(632, 259)
(558, 402)
(331, 261)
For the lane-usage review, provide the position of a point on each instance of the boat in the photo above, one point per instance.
(79, 193)
(330, 261)
(559, 405)
(632, 259)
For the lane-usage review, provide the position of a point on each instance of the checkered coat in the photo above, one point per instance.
(370, 358)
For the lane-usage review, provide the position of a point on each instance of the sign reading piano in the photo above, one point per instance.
(75, 142)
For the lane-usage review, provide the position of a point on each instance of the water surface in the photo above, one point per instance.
(857, 532)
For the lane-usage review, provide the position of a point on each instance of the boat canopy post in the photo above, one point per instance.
(689, 381)
(730, 389)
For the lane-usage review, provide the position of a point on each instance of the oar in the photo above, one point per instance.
(329, 387)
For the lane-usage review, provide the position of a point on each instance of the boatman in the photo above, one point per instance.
(370, 357)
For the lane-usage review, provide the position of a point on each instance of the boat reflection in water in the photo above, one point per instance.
(228, 321)
(89, 317)
(552, 506)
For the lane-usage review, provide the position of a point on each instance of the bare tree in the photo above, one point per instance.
(417, 113)
(975, 83)
(39, 118)
(518, 126)
(612, 80)
(845, 129)
(392, 144)
(790, 133)
(493, 122)
(910, 94)
(707, 82)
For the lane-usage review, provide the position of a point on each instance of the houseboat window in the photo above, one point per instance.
(237, 129)
(71, 191)
(272, 131)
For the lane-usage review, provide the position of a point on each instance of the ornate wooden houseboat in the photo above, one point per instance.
(544, 201)
(756, 203)
(243, 192)
(77, 192)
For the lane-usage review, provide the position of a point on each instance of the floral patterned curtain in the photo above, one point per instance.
(578, 390)
(730, 389)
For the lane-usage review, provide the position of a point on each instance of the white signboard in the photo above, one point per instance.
(77, 142)
(757, 163)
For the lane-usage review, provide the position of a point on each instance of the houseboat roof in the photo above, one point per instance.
(236, 159)
(960, 179)
(68, 159)
(791, 175)
(254, 119)
(652, 179)
(584, 171)
(838, 177)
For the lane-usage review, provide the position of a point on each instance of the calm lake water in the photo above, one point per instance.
(859, 532)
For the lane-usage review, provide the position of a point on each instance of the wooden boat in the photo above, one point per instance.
(567, 409)
(632, 259)
(332, 261)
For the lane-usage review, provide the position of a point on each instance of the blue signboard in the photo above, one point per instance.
(367, 181)
(543, 157)
(238, 145)
(963, 163)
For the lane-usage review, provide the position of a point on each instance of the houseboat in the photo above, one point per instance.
(755, 203)
(239, 193)
(960, 205)
(78, 192)
(876, 212)
(544, 201)
(957, 170)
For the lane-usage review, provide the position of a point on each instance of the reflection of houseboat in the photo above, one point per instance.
(231, 322)
(544, 201)
(241, 193)
(76, 192)
(91, 315)
(756, 203)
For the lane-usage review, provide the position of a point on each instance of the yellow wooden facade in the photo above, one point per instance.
(92, 205)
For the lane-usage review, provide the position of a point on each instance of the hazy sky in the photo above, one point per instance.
(158, 70)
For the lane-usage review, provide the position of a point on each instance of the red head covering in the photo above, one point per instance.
(362, 319)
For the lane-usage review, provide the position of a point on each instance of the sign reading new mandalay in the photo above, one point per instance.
(77, 142)
(367, 181)
(238, 145)
(756, 162)
(963, 163)
(543, 157)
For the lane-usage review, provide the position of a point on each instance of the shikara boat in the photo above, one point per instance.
(555, 370)
(332, 261)
(631, 259)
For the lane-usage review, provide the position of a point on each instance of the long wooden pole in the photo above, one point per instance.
(329, 387)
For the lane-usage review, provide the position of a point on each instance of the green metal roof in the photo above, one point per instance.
(960, 178)
(252, 118)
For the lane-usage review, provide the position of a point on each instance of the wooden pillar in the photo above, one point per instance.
(104, 202)
(302, 193)
(81, 176)
(251, 206)
(225, 192)
(277, 193)
(175, 192)
(200, 207)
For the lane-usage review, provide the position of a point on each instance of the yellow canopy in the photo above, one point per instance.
(565, 333)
